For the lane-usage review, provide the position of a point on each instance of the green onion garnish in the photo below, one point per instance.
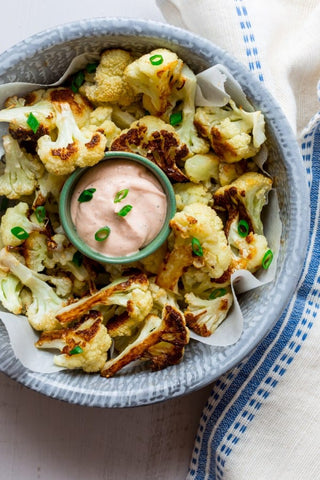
(196, 247)
(121, 195)
(175, 118)
(77, 259)
(102, 234)
(77, 349)
(218, 292)
(86, 195)
(243, 228)
(77, 81)
(40, 213)
(156, 59)
(33, 123)
(19, 233)
(124, 210)
(267, 259)
(92, 67)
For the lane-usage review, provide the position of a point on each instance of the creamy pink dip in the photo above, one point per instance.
(128, 233)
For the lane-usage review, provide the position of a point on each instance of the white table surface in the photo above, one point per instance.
(42, 438)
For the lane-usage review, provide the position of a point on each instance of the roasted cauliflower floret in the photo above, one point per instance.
(83, 346)
(131, 293)
(246, 197)
(49, 185)
(183, 97)
(154, 75)
(204, 316)
(45, 302)
(156, 140)
(73, 147)
(199, 241)
(161, 342)
(233, 133)
(229, 172)
(188, 193)
(15, 225)
(100, 119)
(21, 170)
(109, 84)
(203, 168)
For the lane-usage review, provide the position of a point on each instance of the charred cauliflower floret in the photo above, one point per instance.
(45, 302)
(161, 342)
(199, 241)
(109, 84)
(10, 292)
(73, 147)
(154, 75)
(83, 346)
(156, 140)
(233, 133)
(131, 293)
(100, 119)
(21, 170)
(245, 197)
(204, 316)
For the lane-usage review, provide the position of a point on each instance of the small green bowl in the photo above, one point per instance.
(69, 227)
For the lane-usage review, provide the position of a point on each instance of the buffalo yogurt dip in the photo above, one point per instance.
(118, 207)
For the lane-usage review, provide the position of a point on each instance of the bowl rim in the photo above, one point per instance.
(299, 219)
(71, 232)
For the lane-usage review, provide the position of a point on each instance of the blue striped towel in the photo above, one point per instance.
(262, 418)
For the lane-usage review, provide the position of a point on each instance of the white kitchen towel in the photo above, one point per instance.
(262, 420)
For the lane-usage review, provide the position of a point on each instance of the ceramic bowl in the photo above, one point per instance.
(42, 59)
(70, 228)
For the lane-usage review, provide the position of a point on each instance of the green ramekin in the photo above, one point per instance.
(69, 227)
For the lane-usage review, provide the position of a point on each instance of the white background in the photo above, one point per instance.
(42, 438)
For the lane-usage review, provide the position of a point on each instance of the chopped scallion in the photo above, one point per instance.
(175, 118)
(33, 123)
(243, 228)
(121, 195)
(124, 210)
(196, 247)
(218, 292)
(156, 59)
(77, 349)
(92, 67)
(77, 259)
(86, 195)
(102, 234)
(19, 233)
(40, 213)
(77, 81)
(267, 259)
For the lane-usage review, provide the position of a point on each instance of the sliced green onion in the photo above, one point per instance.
(86, 195)
(77, 259)
(156, 59)
(124, 210)
(196, 247)
(267, 259)
(102, 234)
(40, 213)
(33, 123)
(175, 118)
(121, 195)
(243, 228)
(218, 292)
(77, 81)
(92, 67)
(19, 233)
(77, 349)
